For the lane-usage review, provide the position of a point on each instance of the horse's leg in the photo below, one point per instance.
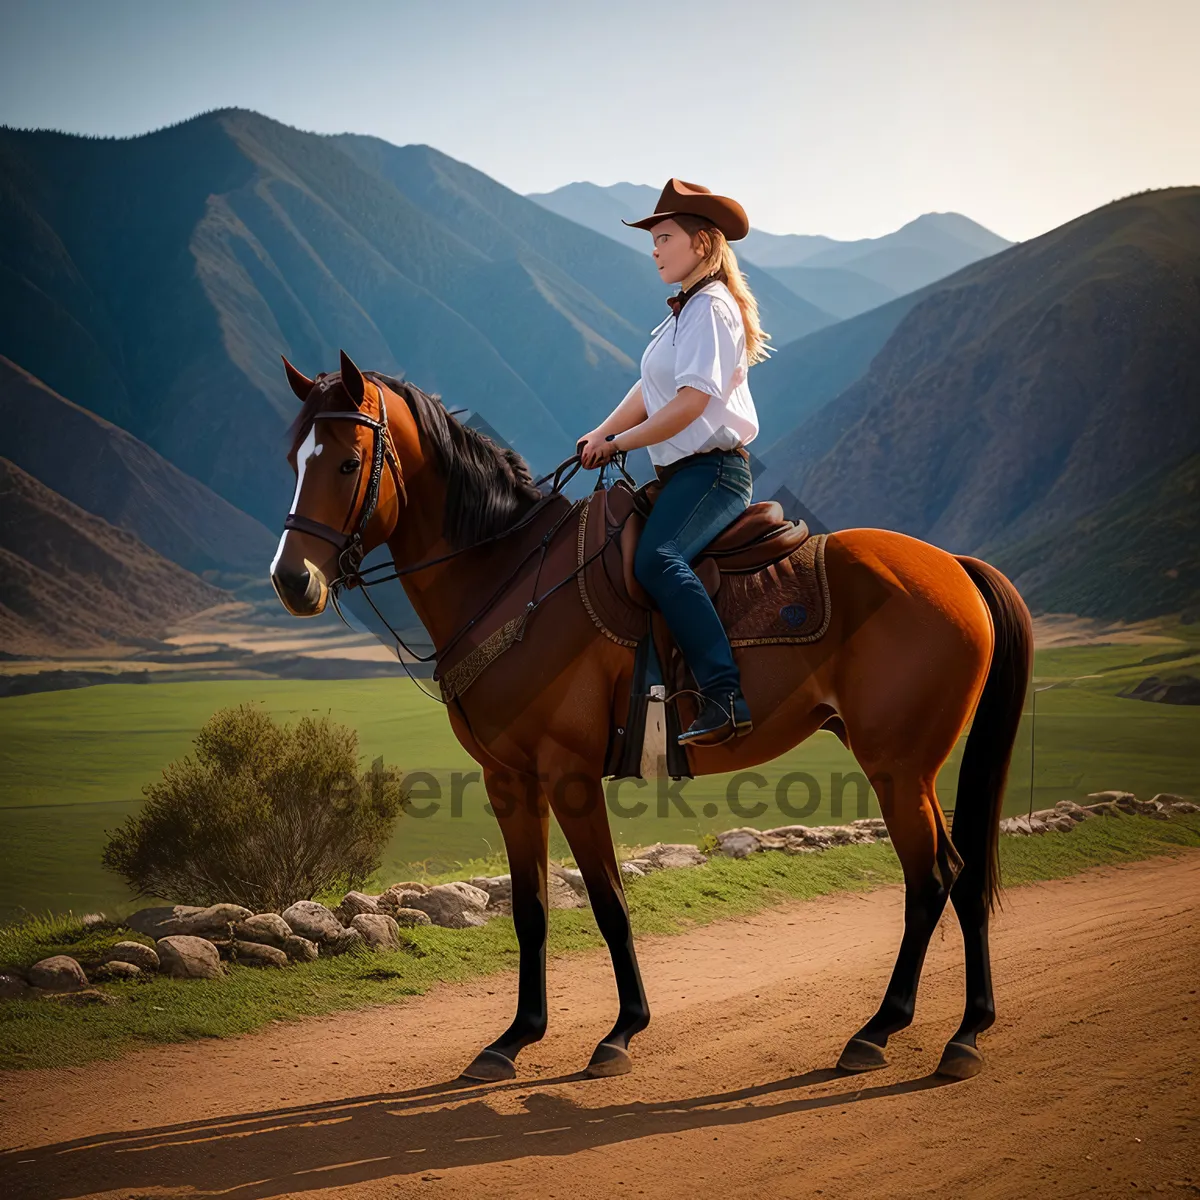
(525, 825)
(961, 1059)
(578, 803)
(919, 836)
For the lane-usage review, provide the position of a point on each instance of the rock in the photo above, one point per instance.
(390, 901)
(628, 868)
(1103, 808)
(1175, 804)
(13, 986)
(267, 929)
(258, 954)
(1068, 808)
(117, 969)
(498, 888)
(817, 837)
(351, 939)
(561, 894)
(354, 903)
(573, 877)
(299, 949)
(1036, 826)
(58, 973)
(136, 953)
(738, 843)
(184, 956)
(1045, 814)
(673, 855)
(876, 825)
(1062, 823)
(450, 905)
(186, 920)
(90, 921)
(379, 931)
(409, 885)
(81, 999)
(314, 921)
(406, 918)
(1125, 801)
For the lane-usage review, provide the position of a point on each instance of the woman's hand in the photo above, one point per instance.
(593, 450)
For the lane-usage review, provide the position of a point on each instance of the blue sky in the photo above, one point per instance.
(847, 118)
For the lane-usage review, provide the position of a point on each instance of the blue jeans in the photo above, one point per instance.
(695, 504)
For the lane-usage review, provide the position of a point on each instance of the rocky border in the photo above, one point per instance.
(193, 942)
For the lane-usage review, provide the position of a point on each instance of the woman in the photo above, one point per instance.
(693, 411)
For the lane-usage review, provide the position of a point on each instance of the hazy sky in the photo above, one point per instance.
(847, 117)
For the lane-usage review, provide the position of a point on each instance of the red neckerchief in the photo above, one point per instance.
(676, 302)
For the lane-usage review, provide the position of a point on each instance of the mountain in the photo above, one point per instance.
(603, 208)
(101, 468)
(1133, 557)
(70, 581)
(795, 384)
(1024, 393)
(837, 290)
(156, 280)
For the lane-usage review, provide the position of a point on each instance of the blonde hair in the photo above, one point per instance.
(719, 259)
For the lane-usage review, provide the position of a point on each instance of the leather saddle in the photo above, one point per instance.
(757, 538)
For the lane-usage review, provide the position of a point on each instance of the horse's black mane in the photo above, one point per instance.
(488, 487)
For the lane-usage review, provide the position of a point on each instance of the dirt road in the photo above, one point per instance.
(1090, 1087)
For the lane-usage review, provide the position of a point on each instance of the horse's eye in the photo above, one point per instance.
(349, 466)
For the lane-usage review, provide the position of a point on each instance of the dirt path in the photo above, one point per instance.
(1090, 1087)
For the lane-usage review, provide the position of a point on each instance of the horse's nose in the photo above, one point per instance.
(294, 582)
(300, 590)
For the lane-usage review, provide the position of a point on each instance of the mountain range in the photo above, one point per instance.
(1019, 398)
(1022, 406)
(156, 280)
(840, 278)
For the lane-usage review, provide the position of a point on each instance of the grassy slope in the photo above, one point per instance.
(74, 763)
(38, 1034)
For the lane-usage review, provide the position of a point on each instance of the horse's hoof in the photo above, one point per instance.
(609, 1060)
(861, 1055)
(960, 1061)
(490, 1066)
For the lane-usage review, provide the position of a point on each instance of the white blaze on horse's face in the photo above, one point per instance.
(310, 448)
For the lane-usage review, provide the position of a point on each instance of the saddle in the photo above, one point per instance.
(764, 572)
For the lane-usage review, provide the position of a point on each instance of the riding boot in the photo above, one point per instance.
(718, 720)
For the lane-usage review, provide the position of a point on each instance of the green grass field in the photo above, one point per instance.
(40, 1033)
(74, 763)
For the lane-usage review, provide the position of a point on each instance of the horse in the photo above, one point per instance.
(378, 461)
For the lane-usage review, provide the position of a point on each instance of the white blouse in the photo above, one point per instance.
(705, 348)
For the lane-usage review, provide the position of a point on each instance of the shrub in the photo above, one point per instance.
(263, 816)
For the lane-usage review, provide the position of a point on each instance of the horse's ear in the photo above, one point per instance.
(352, 380)
(301, 384)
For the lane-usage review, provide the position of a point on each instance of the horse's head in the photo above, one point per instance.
(349, 487)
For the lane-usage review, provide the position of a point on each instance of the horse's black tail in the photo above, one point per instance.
(986, 757)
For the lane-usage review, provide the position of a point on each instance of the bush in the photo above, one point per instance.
(263, 816)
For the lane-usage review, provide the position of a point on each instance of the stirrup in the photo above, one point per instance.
(710, 735)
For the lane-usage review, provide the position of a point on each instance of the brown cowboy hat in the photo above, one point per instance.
(680, 197)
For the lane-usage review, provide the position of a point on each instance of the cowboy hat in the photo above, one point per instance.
(680, 197)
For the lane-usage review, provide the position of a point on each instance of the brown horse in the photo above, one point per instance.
(897, 678)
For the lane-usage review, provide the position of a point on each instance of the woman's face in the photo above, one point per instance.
(673, 252)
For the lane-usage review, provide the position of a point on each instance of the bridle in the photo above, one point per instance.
(350, 545)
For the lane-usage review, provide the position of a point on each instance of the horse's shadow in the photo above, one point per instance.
(363, 1138)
